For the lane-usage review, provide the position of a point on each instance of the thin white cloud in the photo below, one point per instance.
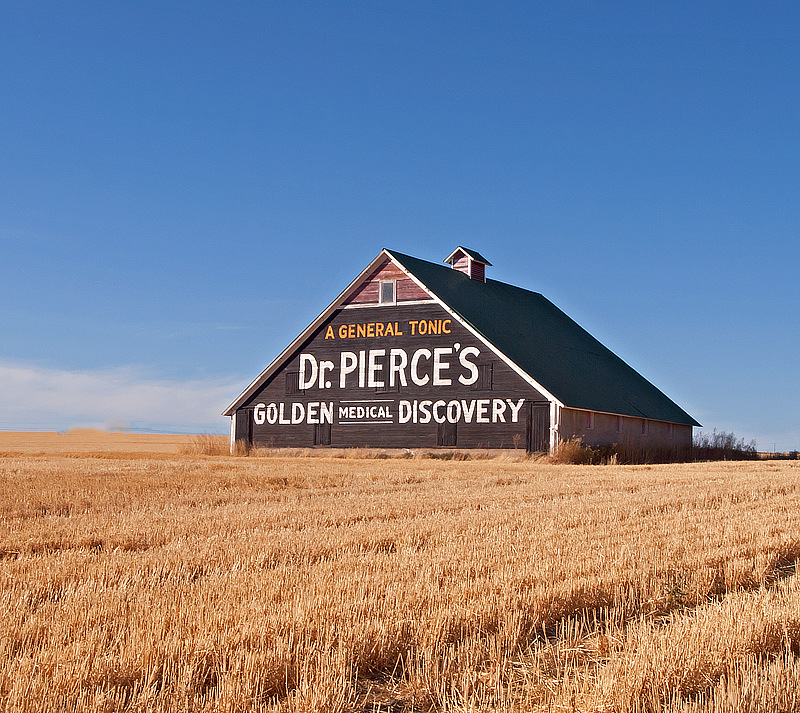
(33, 397)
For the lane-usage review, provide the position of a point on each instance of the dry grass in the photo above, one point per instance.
(87, 441)
(208, 445)
(200, 583)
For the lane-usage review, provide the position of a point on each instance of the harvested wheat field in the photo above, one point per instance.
(87, 441)
(216, 583)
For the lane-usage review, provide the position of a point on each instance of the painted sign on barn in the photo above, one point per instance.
(393, 376)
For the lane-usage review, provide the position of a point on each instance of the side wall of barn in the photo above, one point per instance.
(640, 439)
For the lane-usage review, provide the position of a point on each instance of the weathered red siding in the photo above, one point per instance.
(407, 289)
(475, 270)
(462, 263)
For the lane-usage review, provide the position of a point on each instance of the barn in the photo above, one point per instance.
(414, 354)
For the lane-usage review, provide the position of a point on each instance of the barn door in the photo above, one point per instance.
(322, 434)
(540, 427)
(243, 431)
(447, 435)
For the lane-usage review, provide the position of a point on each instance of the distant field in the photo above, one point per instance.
(85, 440)
(215, 583)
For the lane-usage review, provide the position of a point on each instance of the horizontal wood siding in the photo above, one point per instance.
(407, 289)
(461, 262)
(662, 440)
(357, 332)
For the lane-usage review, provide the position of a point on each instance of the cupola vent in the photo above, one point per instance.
(469, 262)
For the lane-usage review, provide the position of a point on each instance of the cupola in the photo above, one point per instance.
(471, 263)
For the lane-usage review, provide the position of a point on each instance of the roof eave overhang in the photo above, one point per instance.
(688, 421)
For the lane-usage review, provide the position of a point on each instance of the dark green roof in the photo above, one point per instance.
(547, 345)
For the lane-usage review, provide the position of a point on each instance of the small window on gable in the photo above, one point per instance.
(293, 383)
(387, 294)
(645, 426)
(619, 424)
(484, 380)
(589, 420)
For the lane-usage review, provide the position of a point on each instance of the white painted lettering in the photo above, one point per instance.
(308, 371)
(272, 413)
(454, 411)
(467, 364)
(298, 412)
(311, 412)
(259, 413)
(325, 366)
(468, 408)
(439, 366)
(348, 364)
(515, 409)
(372, 381)
(498, 409)
(439, 418)
(415, 377)
(424, 412)
(482, 414)
(404, 412)
(326, 412)
(398, 360)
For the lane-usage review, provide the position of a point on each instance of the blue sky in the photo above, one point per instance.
(184, 186)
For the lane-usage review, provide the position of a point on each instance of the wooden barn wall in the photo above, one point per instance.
(364, 415)
(660, 437)
(461, 262)
(407, 289)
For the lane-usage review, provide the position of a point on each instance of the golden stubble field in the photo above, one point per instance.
(167, 581)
